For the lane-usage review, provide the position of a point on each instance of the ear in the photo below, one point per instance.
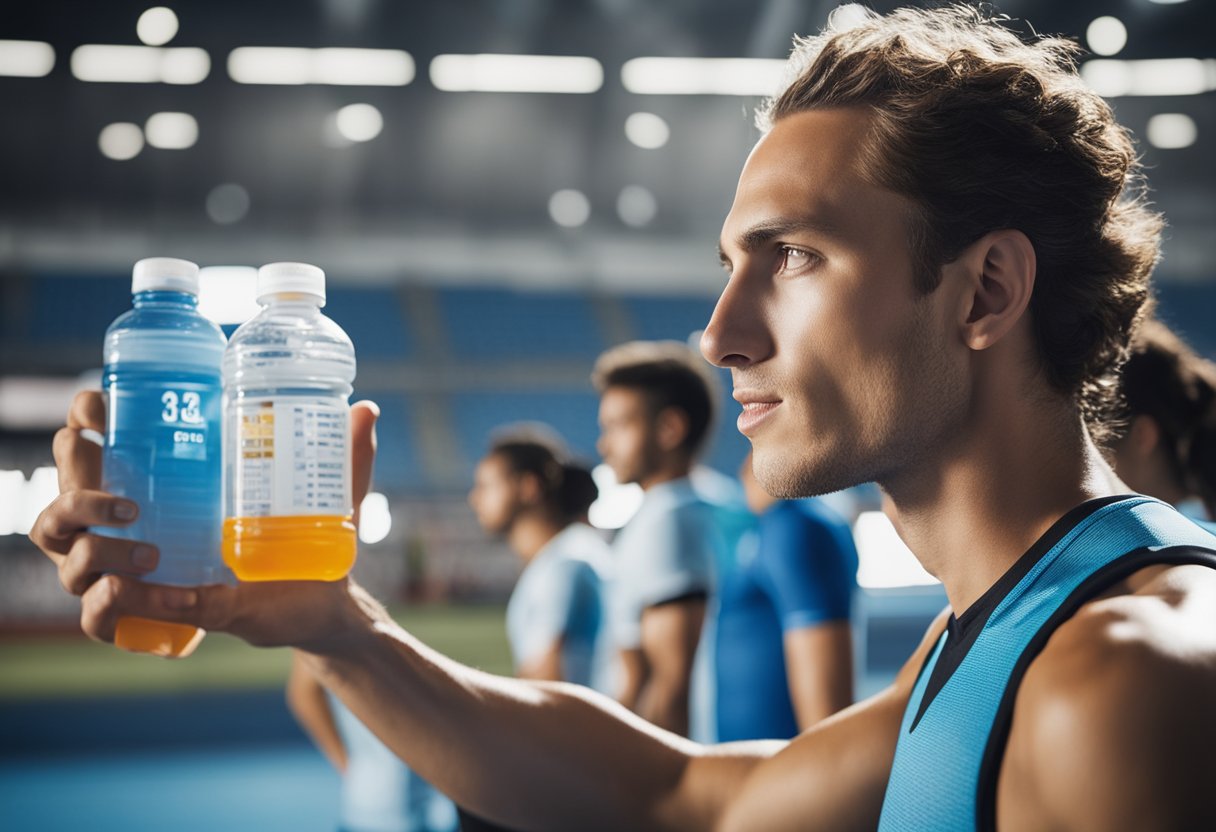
(999, 281)
(671, 428)
(1144, 435)
(529, 489)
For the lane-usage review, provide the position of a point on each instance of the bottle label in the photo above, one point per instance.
(291, 458)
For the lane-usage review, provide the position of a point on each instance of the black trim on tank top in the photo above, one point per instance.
(1097, 583)
(691, 595)
(961, 632)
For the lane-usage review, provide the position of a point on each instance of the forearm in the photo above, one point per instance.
(308, 704)
(527, 755)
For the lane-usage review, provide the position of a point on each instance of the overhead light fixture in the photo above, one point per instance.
(703, 76)
(171, 131)
(292, 65)
(646, 130)
(1165, 76)
(636, 206)
(121, 141)
(1106, 35)
(227, 203)
(569, 208)
(140, 64)
(1171, 131)
(516, 73)
(26, 58)
(156, 26)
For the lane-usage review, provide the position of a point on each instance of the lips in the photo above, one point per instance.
(757, 409)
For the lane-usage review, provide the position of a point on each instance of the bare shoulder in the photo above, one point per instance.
(1113, 726)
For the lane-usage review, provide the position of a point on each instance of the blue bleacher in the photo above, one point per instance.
(74, 309)
(573, 414)
(373, 318)
(668, 318)
(398, 468)
(499, 323)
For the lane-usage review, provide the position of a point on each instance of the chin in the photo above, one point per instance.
(789, 477)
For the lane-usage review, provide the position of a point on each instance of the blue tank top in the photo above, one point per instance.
(949, 753)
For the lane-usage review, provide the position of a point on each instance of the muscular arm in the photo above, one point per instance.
(544, 667)
(309, 705)
(670, 634)
(819, 667)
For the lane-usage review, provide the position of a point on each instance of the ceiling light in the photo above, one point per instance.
(140, 64)
(636, 206)
(26, 58)
(171, 131)
(1166, 76)
(297, 65)
(121, 141)
(227, 294)
(1171, 131)
(569, 208)
(516, 73)
(156, 26)
(647, 130)
(703, 76)
(359, 122)
(1106, 35)
(227, 204)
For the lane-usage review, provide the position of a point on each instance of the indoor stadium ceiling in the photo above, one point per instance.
(458, 185)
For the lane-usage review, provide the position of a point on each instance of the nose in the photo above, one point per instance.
(738, 333)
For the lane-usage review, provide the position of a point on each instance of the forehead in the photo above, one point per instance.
(491, 466)
(810, 167)
(622, 402)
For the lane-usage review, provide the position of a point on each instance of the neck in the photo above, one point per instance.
(667, 472)
(531, 532)
(974, 510)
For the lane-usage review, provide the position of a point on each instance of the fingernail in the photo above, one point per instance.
(180, 599)
(125, 511)
(144, 556)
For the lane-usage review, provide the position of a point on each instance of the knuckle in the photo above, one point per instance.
(62, 443)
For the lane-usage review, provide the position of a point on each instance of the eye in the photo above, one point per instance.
(796, 259)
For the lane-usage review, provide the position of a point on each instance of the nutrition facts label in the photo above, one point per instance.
(291, 458)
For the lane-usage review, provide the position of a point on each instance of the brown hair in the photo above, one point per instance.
(1166, 380)
(984, 131)
(667, 374)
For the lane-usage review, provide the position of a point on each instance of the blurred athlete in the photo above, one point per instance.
(784, 653)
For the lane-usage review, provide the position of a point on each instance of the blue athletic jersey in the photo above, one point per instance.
(797, 569)
(953, 736)
(560, 596)
(379, 792)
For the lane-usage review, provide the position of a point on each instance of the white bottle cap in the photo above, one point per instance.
(164, 274)
(276, 278)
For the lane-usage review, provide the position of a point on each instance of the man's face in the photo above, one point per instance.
(495, 496)
(845, 372)
(628, 441)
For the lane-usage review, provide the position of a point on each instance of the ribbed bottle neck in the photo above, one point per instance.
(164, 300)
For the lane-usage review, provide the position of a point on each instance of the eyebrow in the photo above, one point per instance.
(761, 233)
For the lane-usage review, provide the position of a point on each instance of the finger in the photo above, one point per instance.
(77, 459)
(88, 410)
(113, 596)
(72, 512)
(363, 416)
(92, 556)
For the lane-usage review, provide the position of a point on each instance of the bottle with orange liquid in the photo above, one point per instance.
(162, 445)
(287, 381)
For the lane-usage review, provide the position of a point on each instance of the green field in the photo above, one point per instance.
(44, 666)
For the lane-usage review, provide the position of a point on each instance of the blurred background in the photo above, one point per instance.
(498, 190)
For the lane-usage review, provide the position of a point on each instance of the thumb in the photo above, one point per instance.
(363, 416)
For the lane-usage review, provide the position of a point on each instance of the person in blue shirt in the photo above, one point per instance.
(523, 491)
(656, 407)
(784, 650)
(1166, 444)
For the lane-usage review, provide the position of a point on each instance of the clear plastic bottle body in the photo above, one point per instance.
(287, 491)
(163, 449)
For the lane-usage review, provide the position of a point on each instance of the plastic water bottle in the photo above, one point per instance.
(162, 446)
(287, 382)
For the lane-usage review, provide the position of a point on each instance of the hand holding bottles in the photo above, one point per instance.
(308, 614)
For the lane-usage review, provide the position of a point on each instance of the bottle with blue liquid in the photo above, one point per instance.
(163, 447)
